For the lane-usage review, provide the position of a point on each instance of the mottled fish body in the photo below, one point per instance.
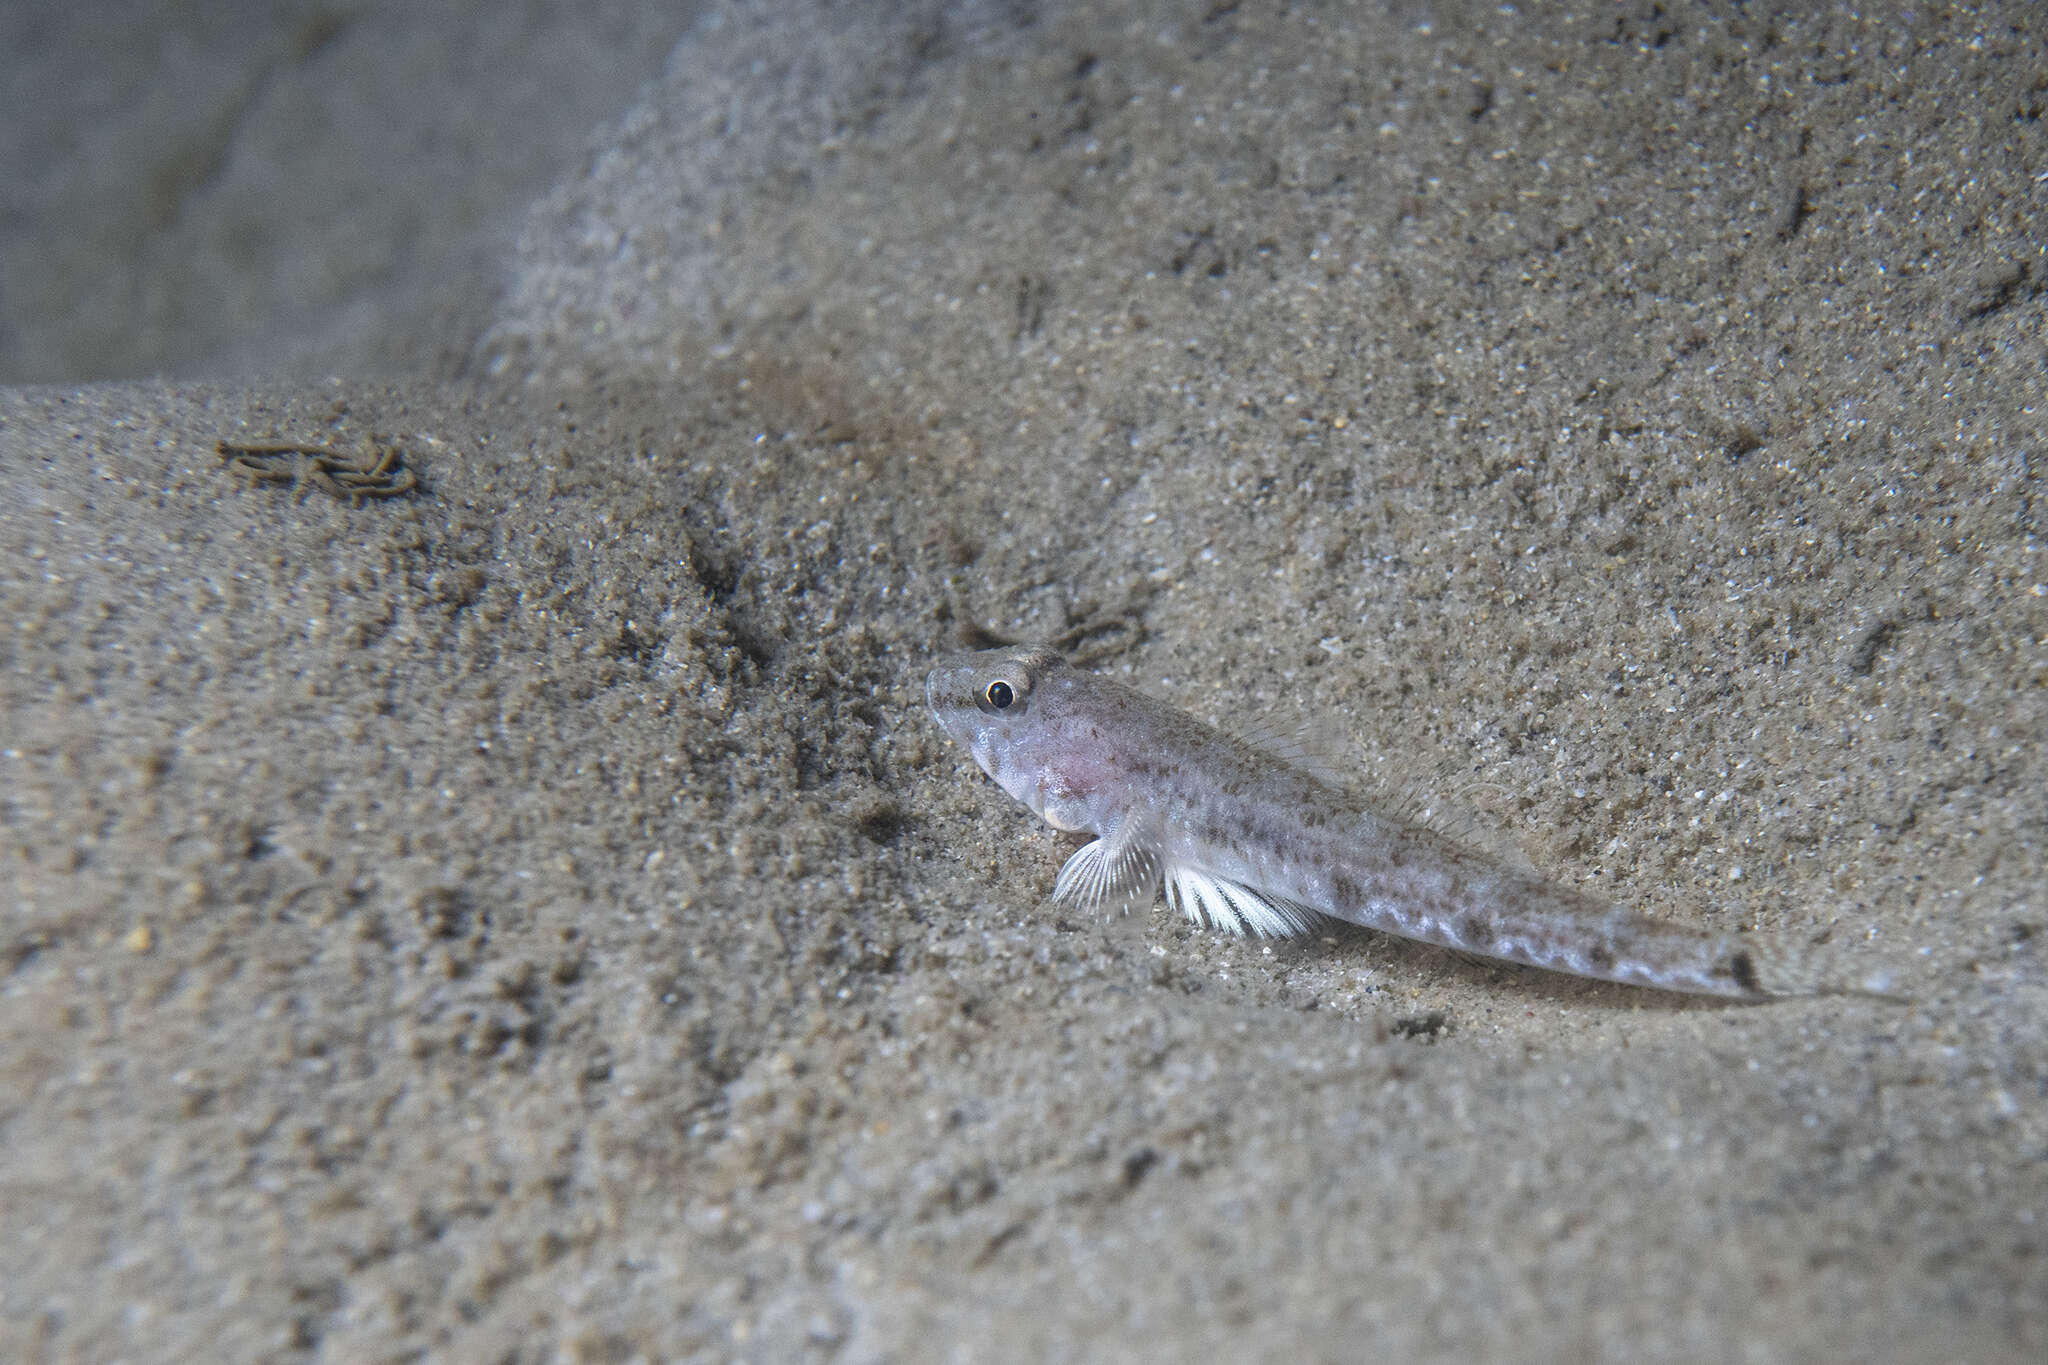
(1256, 835)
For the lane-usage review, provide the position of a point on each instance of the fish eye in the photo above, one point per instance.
(999, 695)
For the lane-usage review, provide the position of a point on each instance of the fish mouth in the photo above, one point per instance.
(942, 689)
(931, 701)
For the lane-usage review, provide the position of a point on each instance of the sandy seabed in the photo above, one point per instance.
(533, 917)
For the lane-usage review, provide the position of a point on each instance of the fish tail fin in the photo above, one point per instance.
(1776, 969)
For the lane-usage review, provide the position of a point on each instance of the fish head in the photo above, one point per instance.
(1004, 706)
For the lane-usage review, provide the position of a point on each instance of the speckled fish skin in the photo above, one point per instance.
(1256, 840)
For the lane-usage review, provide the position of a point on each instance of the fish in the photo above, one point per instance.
(1260, 834)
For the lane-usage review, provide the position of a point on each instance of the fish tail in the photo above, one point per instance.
(1647, 952)
(1782, 969)
(1561, 930)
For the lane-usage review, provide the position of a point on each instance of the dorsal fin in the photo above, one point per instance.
(1325, 750)
(1419, 801)
(1320, 748)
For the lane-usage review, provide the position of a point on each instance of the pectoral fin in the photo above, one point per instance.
(1118, 872)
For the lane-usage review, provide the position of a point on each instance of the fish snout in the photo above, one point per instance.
(944, 694)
